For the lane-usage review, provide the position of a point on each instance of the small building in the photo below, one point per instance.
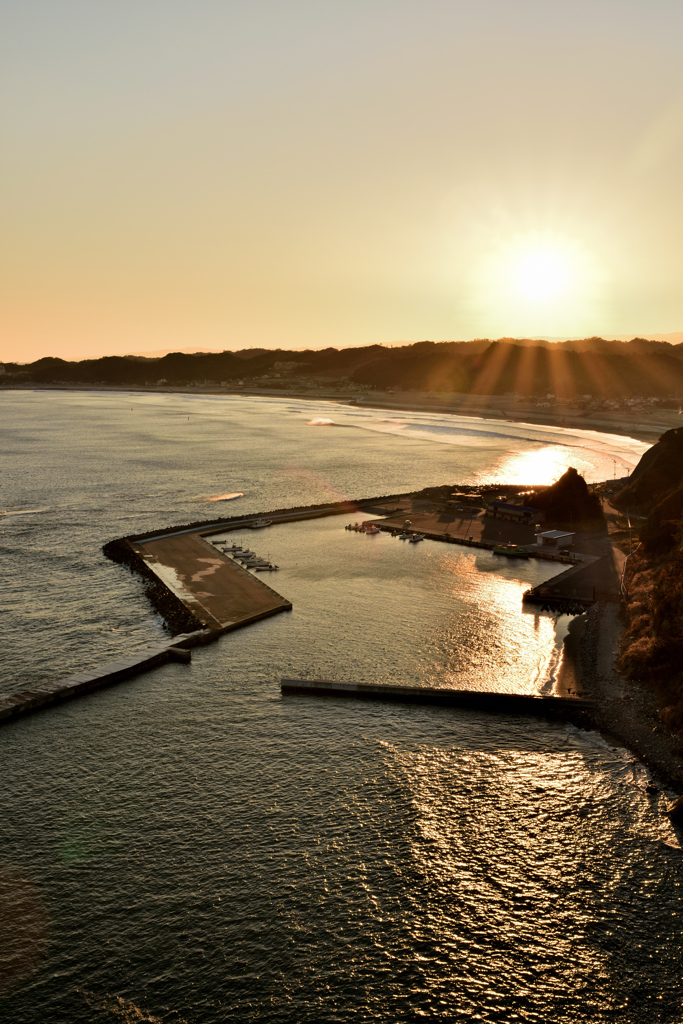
(514, 513)
(466, 498)
(555, 539)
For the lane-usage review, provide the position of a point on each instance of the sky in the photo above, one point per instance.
(304, 173)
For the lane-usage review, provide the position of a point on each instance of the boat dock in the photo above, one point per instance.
(194, 585)
(574, 709)
(215, 590)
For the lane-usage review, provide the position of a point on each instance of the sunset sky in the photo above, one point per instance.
(301, 174)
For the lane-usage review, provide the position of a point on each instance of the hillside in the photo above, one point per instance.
(652, 647)
(659, 471)
(569, 371)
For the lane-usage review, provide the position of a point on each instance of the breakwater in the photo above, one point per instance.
(572, 709)
(178, 567)
(45, 695)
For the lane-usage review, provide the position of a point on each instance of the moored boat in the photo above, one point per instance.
(511, 550)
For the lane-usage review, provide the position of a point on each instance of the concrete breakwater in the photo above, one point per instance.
(161, 558)
(45, 695)
(572, 709)
(205, 527)
(201, 594)
(215, 590)
(193, 585)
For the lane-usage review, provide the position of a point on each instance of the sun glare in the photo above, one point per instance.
(541, 275)
(538, 282)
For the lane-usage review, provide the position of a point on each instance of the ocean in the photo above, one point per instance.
(190, 846)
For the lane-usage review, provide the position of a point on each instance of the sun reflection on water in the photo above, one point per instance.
(542, 466)
(487, 644)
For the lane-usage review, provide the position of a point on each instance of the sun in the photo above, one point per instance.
(541, 274)
(532, 283)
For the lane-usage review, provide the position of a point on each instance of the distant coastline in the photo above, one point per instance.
(646, 427)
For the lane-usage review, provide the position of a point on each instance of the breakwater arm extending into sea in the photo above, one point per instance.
(202, 594)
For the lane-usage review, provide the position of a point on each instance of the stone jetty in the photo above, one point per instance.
(44, 695)
(572, 709)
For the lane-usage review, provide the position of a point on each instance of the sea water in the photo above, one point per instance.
(191, 846)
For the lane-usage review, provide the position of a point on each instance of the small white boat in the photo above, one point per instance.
(258, 524)
(372, 529)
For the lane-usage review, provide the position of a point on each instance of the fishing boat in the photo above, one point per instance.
(511, 550)
(371, 529)
(258, 524)
(416, 538)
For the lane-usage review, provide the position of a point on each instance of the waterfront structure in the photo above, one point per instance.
(555, 539)
(514, 513)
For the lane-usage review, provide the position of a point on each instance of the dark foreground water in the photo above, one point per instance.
(189, 846)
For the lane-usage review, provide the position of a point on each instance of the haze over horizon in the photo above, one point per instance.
(222, 176)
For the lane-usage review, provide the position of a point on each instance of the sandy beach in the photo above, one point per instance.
(644, 424)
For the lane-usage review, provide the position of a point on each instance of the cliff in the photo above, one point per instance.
(652, 645)
(659, 471)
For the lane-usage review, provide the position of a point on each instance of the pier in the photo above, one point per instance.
(194, 585)
(216, 591)
(43, 695)
(573, 709)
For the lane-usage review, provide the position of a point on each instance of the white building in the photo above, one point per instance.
(555, 539)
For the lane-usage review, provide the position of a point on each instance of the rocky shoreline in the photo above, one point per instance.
(625, 713)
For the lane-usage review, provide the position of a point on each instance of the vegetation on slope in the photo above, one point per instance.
(593, 367)
(658, 473)
(652, 647)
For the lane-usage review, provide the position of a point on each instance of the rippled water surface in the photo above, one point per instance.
(190, 846)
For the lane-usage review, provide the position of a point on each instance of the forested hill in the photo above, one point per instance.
(508, 366)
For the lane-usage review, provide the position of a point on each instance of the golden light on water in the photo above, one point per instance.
(543, 466)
